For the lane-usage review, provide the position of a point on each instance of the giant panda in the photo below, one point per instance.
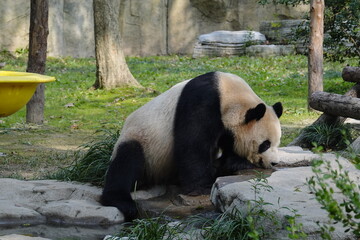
(199, 129)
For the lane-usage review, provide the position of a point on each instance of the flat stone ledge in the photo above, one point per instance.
(226, 43)
(44, 201)
(21, 237)
(290, 188)
(231, 37)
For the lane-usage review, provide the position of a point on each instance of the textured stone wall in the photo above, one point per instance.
(151, 27)
(70, 27)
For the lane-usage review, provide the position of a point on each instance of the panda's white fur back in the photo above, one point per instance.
(151, 125)
(174, 138)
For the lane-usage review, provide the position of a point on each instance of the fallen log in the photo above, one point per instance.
(336, 104)
(351, 74)
(326, 119)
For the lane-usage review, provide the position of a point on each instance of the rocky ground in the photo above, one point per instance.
(32, 208)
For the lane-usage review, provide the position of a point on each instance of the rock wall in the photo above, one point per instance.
(71, 31)
(152, 27)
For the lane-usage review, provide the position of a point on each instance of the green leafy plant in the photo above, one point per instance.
(328, 181)
(91, 163)
(333, 136)
(158, 228)
(341, 27)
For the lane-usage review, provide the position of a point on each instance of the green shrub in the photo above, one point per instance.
(341, 27)
(91, 163)
(334, 136)
(158, 228)
(329, 180)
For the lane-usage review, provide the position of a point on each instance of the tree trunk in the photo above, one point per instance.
(111, 68)
(336, 104)
(351, 74)
(37, 57)
(315, 61)
(326, 119)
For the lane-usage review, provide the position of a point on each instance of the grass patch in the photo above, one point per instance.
(330, 137)
(273, 79)
(74, 109)
(91, 162)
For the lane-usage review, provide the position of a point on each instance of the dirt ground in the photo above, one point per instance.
(33, 152)
(30, 152)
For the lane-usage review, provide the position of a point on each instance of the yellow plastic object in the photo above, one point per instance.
(17, 88)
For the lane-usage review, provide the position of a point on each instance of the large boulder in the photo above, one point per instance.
(289, 190)
(43, 201)
(226, 43)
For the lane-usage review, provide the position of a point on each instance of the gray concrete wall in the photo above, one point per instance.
(148, 27)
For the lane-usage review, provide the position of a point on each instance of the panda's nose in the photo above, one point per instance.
(274, 164)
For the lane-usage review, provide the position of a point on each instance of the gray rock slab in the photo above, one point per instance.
(21, 237)
(270, 50)
(290, 189)
(231, 37)
(226, 43)
(218, 50)
(295, 156)
(57, 231)
(40, 201)
(280, 31)
(14, 214)
(80, 212)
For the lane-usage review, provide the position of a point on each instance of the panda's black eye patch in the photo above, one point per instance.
(264, 146)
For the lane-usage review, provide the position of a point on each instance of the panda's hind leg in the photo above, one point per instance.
(125, 169)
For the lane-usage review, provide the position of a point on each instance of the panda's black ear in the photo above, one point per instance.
(278, 108)
(255, 113)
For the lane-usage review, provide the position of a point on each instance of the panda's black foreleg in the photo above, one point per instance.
(195, 171)
(229, 162)
(125, 169)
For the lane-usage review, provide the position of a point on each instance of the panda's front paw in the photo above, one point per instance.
(127, 207)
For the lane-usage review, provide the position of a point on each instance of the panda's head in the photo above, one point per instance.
(257, 134)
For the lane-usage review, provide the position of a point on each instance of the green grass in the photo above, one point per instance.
(273, 79)
(330, 137)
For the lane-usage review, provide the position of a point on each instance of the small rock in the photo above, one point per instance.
(69, 105)
(270, 50)
(153, 192)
